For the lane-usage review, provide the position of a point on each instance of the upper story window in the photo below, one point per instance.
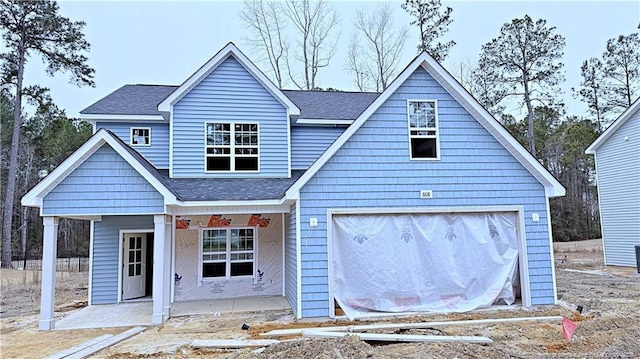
(423, 129)
(231, 147)
(140, 136)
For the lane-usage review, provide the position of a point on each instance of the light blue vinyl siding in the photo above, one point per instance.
(157, 153)
(308, 143)
(104, 276)
(373, 170)
(103, 184)
(618, 170)
(290, 260)
(229, 94)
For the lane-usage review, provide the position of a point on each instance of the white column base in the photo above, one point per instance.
(47, 324)
(157, 319)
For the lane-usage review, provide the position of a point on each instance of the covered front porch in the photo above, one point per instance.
(138, 313)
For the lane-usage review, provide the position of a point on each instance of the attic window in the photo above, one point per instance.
(423, 129)
(140, 136)
(231, 147)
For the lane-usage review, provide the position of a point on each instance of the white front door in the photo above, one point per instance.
(134, 265)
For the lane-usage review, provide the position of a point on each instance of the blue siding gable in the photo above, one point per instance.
(309, 142)
(373, 169)
(229, 94)
(157, 153)
(103, 184)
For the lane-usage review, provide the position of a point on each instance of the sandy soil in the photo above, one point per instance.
(608, 327)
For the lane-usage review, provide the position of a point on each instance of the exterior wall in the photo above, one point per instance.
(373, 170)
(105, 256)
(290, 260)
(618, 170)
(308, 143)
(157, 153)
(268, 260)
(229, 94)
(103, 184)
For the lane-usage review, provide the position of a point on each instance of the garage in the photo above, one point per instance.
(395, 261)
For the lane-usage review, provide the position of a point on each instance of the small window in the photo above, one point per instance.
(231, 147)
(423, 129)
(227, 252)
(140, 136)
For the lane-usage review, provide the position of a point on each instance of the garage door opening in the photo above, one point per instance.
(423, 262)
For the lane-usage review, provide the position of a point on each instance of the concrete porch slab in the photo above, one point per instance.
(108, 315)
(138, 313)
(247, 304)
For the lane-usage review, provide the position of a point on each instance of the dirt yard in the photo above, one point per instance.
(608, 327)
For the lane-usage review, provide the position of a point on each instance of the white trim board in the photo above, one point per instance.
(621, 120)
(34, 197)
(229, 50)
(127, 118)
(553, 188)
(525, 290)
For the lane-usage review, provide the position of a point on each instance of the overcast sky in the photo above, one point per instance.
(161, 42)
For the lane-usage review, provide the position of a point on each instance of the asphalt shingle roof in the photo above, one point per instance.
(131, 100)
(217, 189)
(144, 100)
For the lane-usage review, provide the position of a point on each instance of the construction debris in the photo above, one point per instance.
(232, 343)
(95, 345)
(394, 326)
(399, 337)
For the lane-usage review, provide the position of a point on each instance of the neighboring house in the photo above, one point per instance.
(226, 186)
(617, 155)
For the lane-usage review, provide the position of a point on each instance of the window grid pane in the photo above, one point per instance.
(222, 248)
(235, 145)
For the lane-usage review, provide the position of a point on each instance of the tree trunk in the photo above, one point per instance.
(530, 133)
(7, 222)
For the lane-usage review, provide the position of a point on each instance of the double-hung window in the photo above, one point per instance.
(423, 129)
(228, 252)
(231, 147)
(140, 136)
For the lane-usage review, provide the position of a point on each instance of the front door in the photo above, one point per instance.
(134, 265)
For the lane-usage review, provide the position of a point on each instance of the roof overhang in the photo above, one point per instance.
(229, 50)
(99, 117)
(626, 115)
(34, 197)
(552, 187)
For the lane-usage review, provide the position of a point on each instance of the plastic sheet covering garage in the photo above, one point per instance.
(423, 262)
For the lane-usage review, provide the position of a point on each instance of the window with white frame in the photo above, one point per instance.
(423, 129)
(231, 147)
(140, 136)
(228, 252)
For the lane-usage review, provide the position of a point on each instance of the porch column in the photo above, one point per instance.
(160, 270)
(167, 266)
(49, 255)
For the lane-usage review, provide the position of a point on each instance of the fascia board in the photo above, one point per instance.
(626, 115)
(229, 50)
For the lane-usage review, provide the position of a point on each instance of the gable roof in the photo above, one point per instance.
(621, 120)
(331, 105)
(174, 190)
(229, 50)
(553, 188)
(34, 197)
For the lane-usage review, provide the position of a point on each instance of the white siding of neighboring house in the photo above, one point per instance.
(618, 171)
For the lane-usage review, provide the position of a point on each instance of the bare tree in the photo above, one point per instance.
(314, 21)
(266, 21)
(375, 48)
(593, 90)
(622, 69)
(433, 24)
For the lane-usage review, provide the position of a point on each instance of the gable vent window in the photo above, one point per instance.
(423, 129)
(231, 147)
(140, 136)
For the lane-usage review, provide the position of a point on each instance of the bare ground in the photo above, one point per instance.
(608, 327)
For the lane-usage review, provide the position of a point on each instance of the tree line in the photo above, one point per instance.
(297, 39)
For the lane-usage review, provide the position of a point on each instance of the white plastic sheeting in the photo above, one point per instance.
(423, 262)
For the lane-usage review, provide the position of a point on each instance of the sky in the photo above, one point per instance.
(163, 42)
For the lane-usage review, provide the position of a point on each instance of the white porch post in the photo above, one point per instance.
(49, 254)
(161, 267)
(166, 293)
